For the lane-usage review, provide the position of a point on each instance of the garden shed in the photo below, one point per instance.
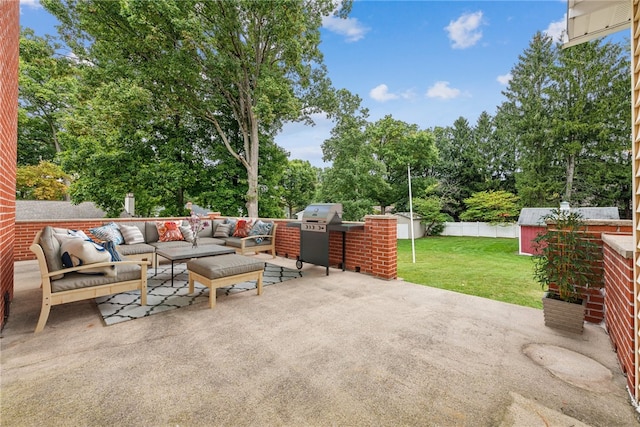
(531, 222)
(404, 225)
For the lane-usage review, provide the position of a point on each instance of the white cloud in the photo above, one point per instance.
(351, 28)
(464, 32)
(504, 79)
(33, 4)
(442, 90)
(381, 93)
(556, 30)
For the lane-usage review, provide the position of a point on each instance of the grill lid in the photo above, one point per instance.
(323, 213)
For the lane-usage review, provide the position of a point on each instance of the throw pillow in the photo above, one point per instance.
(169, 231)
(51, 248)
(261, 228)
(108, 232)
(187, 233)
(131, 234)
(232, 225)
(243, 227)
(76, 252)
(222, 230)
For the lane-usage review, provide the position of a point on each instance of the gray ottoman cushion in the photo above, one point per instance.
(215, 267)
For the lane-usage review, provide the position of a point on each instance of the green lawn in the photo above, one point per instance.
(485, 267)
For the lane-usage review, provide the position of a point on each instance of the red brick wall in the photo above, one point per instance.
(618, 277)
(370, 251)
(595, 296)
(9, 50)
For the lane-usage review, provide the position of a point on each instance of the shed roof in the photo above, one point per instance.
(45, 209)
(407, 215)
(535, 216)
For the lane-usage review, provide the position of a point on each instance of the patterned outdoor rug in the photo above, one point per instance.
(161, 296)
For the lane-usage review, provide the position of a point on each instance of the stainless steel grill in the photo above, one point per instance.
(314, 233)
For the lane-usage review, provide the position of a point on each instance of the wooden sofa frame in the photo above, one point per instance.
(267, 245)
(50, 298)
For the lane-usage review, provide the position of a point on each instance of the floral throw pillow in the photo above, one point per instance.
(169, 231)
(243, 227)
(108, 233)
(260, 228)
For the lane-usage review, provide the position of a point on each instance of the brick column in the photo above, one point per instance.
(382, 232)
(9, 49)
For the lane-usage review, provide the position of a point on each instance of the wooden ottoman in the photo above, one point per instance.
(224, 270)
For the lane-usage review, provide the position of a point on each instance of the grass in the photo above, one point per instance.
(485, 267)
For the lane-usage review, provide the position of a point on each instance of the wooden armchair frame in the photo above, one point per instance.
(50, 298)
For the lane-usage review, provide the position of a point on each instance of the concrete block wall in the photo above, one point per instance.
(9, 51)
(371, 251)
(618, 300)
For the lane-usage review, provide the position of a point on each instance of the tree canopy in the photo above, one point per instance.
(257, 62)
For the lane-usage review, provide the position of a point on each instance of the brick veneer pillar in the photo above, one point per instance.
(618, 300)
(9, 51)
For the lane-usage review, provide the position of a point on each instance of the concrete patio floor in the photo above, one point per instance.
(339, 350)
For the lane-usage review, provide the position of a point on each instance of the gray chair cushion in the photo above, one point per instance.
(236, 242)
(76, 280)
(215, 267)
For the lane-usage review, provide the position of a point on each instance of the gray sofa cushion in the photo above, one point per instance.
(76, 281)
(137, 249)
(211, 241)
(215, 267)
(151, 232)
(176, 244)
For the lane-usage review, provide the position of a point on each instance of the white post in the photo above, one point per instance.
(413, 245)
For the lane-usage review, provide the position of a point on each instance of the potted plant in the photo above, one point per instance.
(563, 266)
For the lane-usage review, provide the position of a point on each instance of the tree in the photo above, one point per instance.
(44, 181)
(591, 126)
(47, 89)
(491, 206)
(298, 185)
(430, 210)
(459, 166)
(398, 145)
(356, 174)
(567, 111)
(258, 61)
(525, 117)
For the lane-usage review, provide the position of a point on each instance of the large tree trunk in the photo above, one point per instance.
(252, 175)
(571, 168)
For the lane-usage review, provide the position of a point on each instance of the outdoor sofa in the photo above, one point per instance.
(259, 236)
(74, 267)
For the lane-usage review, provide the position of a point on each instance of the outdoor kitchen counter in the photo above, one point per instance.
(344, 228)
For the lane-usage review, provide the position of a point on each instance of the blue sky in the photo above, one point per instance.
(423, 62)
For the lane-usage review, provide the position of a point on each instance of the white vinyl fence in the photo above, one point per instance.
(481, 229)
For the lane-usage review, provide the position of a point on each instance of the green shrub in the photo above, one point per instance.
(491, 206)
(430, 211)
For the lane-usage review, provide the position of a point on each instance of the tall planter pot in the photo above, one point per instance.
(563, 315)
